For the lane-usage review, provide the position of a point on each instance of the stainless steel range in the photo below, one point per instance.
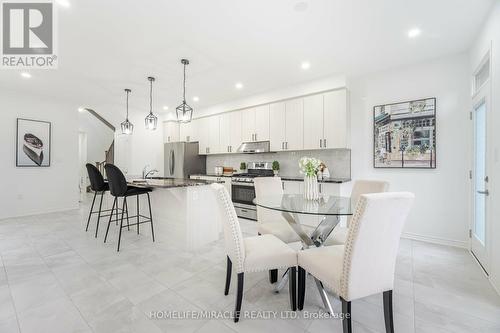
(243, 191)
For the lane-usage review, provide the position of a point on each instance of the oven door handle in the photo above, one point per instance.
(242, 184)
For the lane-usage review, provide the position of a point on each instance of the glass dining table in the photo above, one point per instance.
(300, 214)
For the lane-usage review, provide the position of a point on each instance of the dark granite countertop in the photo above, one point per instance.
(170, 183)
(323, 180)
(212, 175)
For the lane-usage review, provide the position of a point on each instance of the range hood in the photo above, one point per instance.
(254, 147)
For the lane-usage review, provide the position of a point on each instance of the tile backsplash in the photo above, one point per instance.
(338, 161)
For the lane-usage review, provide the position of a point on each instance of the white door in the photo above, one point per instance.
(248, 125)
(235, 131)
(480, 194)
(335, 119)
(277, 125)
(294, 124)
(313, 122)
(214, 135)
(225, 132)
(262, 123)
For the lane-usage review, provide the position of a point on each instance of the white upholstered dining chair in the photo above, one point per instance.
(365, 264)
(251, 254)
(271, 222)
(361, 186)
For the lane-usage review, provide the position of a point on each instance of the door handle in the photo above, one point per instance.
(172, 162)
(485, 192)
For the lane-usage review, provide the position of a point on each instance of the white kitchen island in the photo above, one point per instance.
(186, 208)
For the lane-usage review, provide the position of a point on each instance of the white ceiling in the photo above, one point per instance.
(106, 46)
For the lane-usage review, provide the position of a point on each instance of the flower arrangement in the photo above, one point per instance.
(309, 166)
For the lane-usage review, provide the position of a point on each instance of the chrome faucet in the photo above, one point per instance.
(146, 174)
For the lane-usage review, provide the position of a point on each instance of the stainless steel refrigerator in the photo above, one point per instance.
(182, 160)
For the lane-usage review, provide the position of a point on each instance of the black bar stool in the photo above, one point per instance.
(99, 186)
(118, 187)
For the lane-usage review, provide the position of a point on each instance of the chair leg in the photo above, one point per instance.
(229, 270)
(273, 275)
(117, 205)
(121, 225)
(110, 218)
(302, 288)
(99, 216)
(90, 213)
(126, 212)
(239, 297)
(388, 312)
(346, 312)
(137, 214)
(292, 287)
(151, 218)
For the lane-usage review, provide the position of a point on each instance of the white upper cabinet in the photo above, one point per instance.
(230, 132)
(336, 124)
(313, 122)
(277, 125)
(170, 131)
(214, 135)
(235, 132)
(294, 129)
(188, 131)
(262, 123)
(255, 124)
(248, 125)
(202, 133)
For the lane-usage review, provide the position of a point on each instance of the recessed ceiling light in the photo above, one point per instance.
(305, 65)
(64, 3)
(196, 98)
(301, 6)
(26, 75)
(165, 107)
(81, 109)
(415, 32)
(238, 85)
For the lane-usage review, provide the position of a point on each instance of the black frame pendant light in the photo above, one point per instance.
(184, 111)
(151, 121)
(127, 126)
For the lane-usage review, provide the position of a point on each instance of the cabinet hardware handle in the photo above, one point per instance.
(255, 136)
(286, 145)
(320, 143)
(324, 143)
(485, 192)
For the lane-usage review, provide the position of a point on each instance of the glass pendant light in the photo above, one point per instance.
(127, 126)
(151, 120)
(184, 111)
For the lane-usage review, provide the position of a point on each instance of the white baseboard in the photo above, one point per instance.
(41, 212)
(436, 240)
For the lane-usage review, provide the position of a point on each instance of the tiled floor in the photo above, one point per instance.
(54, 277)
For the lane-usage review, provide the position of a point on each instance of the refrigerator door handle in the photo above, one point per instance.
(172, 162)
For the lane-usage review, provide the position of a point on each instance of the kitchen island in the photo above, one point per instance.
(186, 208)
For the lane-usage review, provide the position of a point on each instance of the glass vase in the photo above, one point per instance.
(311, 188)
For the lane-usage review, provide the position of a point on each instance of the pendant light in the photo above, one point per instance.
(184, 111)
(151, 120)
(127, 126)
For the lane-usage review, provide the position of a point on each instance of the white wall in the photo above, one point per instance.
(133, 152)
(99, 136)
(28, 191)
(489, 37)
(441, 206)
